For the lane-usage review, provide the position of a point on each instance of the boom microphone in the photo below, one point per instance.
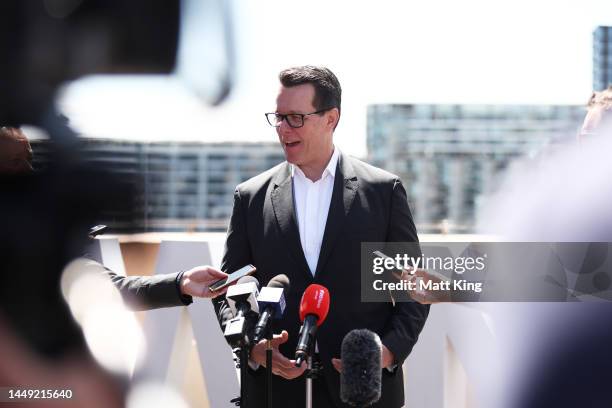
(313, 311)
(360, 380)
(271, 302)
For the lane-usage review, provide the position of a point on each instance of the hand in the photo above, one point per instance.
(195, 282)
(388, 359)
(281, 365)
(423, 296)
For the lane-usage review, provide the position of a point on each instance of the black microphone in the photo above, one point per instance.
(242, 300)
(360, 380)
(271, 302)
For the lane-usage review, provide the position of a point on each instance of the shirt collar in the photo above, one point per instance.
(330, 169)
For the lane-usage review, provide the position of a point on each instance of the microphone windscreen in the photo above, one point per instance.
(360, 380)
(315, 301)
(280, 281)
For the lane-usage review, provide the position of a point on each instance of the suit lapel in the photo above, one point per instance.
(284, 211)
(345, 188)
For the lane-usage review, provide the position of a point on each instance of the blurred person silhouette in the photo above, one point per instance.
(574, 357)
(140, 292)
(45, 215)
(557, 354)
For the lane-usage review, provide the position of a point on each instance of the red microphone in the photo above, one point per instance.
(313, 311)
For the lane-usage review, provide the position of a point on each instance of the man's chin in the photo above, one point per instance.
(292, 158)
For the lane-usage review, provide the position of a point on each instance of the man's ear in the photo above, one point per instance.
(333, 115)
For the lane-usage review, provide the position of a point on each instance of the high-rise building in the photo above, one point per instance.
(451, 156)
(602, 58)
(180, 186)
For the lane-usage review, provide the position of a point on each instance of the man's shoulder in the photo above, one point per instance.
(262, 180)
(369, 173)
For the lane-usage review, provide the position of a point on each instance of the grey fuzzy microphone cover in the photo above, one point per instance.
(360, 380)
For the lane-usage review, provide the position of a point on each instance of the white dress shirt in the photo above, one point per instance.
(312, 200)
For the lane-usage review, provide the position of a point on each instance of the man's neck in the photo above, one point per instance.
(315, 171)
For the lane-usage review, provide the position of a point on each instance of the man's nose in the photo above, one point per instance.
(284, 126)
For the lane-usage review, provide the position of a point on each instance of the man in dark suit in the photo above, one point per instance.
(306, 218)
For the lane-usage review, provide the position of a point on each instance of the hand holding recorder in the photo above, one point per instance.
(208, 282)
(196, 281)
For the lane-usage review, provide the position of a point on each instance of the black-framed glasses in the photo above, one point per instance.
(295, 120)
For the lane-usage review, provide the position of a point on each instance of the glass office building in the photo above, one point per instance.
(450, 157)
(602, 58)
(180, 186)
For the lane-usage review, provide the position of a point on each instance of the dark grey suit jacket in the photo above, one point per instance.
(150, 292)
(368, 204)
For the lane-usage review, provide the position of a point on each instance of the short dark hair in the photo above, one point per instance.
(328, 93)
(601, 99)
